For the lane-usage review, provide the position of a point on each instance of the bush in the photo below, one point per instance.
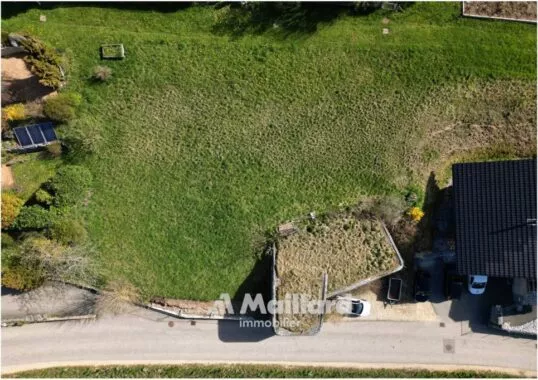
(14, 112)
(68, 231)
(7, 241)
(54, 149)
(44, 197)
(21, 278)
(102, 73)
(415, 213)
(70, 185)
(11, 206)
(32, 218)
(62, 107)
(44, 62)
(117, 298)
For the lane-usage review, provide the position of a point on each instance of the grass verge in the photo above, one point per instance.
(245, 371)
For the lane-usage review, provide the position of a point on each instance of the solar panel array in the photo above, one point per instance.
(35, 135)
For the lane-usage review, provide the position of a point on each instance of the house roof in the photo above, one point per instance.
(495, 208)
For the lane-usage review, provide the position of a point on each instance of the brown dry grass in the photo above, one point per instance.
(346, 247)
(474, 122)
(519, 10)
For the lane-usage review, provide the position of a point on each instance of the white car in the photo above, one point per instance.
(353, 307)
(477, 284)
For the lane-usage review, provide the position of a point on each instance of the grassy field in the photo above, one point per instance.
(244, 371)
(207, 136)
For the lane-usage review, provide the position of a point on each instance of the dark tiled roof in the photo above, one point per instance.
(495, 206)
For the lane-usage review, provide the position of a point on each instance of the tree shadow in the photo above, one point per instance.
(13, 8)
(259, 281)
(284, 18)
(23, 90)
(411, 237)
(52, 298)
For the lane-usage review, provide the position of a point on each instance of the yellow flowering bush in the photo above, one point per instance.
(14, 112)
(415, 213)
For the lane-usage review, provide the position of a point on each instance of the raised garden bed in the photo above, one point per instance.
(503, 10)
(112, 51)
(352, 250)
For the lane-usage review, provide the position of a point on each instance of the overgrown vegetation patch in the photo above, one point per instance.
(349, 248)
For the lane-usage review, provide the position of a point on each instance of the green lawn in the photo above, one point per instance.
(245, 371)
(205, 140)
(30, 174)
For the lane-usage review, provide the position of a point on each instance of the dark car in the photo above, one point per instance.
(454, 283)
(422, 286)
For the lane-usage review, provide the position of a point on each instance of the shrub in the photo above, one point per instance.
(54, 149)
(68, 231)
(102, 73)
(14, 112)
(70, 185)
(21, 278)
(62, 107)
(32, 218)
(415, 214)
(11, 206)
(7, 241)
(44, 61)
(118, 296)
(44, 197)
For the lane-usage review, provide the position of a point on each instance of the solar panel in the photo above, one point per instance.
(48, 132)
(35, 135)
(22, 136)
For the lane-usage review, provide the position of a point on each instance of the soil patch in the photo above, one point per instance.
(19, 85)
(517, 10)
(7, 178)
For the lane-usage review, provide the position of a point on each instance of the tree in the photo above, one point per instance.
(59, 262)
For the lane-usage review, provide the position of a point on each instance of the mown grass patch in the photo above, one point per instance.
(31, 173)
(245, 371)
(202, 141)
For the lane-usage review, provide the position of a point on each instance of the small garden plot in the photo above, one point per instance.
(350, 249)
(114, 51)
(517, 10)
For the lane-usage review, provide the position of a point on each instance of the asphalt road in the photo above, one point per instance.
(149, 337)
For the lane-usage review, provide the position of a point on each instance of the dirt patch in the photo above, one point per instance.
(19, 85)
(516, 10)
(188, 308)
(7, 178)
